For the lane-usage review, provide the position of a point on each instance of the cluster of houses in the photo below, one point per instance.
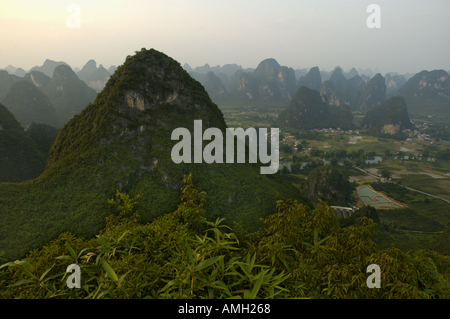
(417, 134)
(338, 130)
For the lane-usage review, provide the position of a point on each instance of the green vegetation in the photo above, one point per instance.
(329, 184)
(112, 145)
(20, 157)
(109, 199)
(297, 253)
(43, 135)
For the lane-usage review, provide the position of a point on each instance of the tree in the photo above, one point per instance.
(348, 164)
(334, 161)
(192, 201)
(387, 153)
(286, 149)
(385, 173)
(360, 161)
(285, 170)
(296, 168)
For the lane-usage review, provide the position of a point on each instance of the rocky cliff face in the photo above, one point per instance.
(39, 79)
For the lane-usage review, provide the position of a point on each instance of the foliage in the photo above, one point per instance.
(20, 157)
(124, 205)
(43, 135)
(385, 173)
(111, 146)
(191, 209)
(328, 183)
(298, 253)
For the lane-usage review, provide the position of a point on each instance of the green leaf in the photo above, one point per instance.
(122, 236)
(207, 263)
(65, 257)
(45, 273)
(21, 282)
(191, 258)
(109, 270)
(71, 251)
(103, 293)
(221, 284)
(24, 264)
(257, 286)
(123, 277)
(321, 241)
(10, 264)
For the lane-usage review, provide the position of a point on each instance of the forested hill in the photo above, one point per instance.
(122, 141)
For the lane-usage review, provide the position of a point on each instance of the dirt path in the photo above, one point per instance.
(418, 231)
(412, 189)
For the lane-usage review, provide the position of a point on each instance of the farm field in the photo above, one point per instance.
(412, 228)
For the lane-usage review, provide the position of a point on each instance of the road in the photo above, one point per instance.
(411, 189)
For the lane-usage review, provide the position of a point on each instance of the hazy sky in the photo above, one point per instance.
(414, 34)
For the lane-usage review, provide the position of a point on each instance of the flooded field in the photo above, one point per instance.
(374, 199)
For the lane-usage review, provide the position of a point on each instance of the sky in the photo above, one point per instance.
(414, 34)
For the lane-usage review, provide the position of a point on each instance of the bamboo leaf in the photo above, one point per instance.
(120, 238)
(207, 263)
(123, 277)
(189, 253)
(21, 282)
(24, 264)
(257, 286)
(65, 257)
(45, 273)
(72, 252)
(109, 270)
(10, 264)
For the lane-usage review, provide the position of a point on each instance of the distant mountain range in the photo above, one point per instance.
(95, 77)
(270, 84)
